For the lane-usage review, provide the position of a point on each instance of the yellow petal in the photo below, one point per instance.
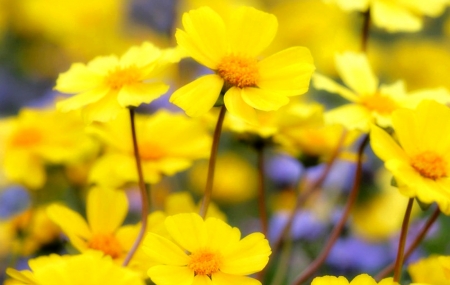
(25, 167)
(431, 8)
(164, 251)
(324, 83)
(248, 256)
(394, 18)
(24, 276)
(113, 170)
(355, 71)
(170, 275)
(105, 109)
(78, 79)
(330, 280)
(237, 106)
(142, 55)
(187, 230)
(172, 165)
(136, 94)
(251, 31)
(106, 209)
(80, 100)
(199, 96)
(384, 145)
(262, 99)
(363, 279)
(221, 236)
(69, 221)
(204, 37)
(220, 278)
(103, 64)
(351, 116)
(287, 70)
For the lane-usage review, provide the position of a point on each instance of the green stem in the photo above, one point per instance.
(402, 242)
(212, 163)
(143, 191)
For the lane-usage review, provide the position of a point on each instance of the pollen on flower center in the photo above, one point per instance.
(120, 77)
(205, 262)
(150, 151)
(429, 165)
(106, 243)
(239, 71)
(379, 103)
(26, 137)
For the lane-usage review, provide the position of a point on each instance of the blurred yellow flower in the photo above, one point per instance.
(36, 138)
(362, 279)
(429, 270)
(182, 202)
(168, 143)
(396, 15)
(205, 252)
(106, 211)
(87, 268)
(420, 161)
(108, 84)
(231, 49)
(370, 103)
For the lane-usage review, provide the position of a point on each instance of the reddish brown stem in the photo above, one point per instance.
(402, 241)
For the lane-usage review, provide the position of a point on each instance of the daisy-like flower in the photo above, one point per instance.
(36, 138)
(231, 49)
(205, 252)
(108, 84)
(168, 143)
(433, 270)
(362, 279)
(396, 15)
(420, 161)
(371, 103)
(88, 268)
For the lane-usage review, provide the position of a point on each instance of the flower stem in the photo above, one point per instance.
(365, 31)
(212, 162)
(388, 269)
(144, 195)
(312, 268)
(261, 189)
(402, 241)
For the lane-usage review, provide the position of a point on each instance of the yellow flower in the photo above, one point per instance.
(396, 15)
(370, 103)
(182, 202)
(87, 268)
(362, 279)
(36, 138)
(231, 49)
(205, 252)
(168, 143)
(420, 162)
(106, 211)
(108, 84)
(429, 270)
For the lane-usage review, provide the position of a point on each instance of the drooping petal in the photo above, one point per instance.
(351, 116)
(71, 222)
(204, 37)
(113, 170)
(404, 124)
(170, 275)
(324, 83)
(394, 18)
(78, 79)
(164, 251)
(238, 107)
(384, 145)
(262, 99)
(104, 110)
(355, 71)
(187, 230)
(248, 256)
(220, 278)
(250, 31)
(106, 209)
(138, 93)
(82, 99)
(288, 70)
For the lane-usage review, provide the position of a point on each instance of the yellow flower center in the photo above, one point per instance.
(205, 262)
(239, 71)
(106, 243)
(26, 137)
(429, 165)
(379, 103)
(120, 77)
(149, 151)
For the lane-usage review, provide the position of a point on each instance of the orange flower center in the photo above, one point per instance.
(379, 103)
(239, 71)
(26, 137)
(120, 77)
(106, 243)
(205, 262)
(430, 165)
(149, 151)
